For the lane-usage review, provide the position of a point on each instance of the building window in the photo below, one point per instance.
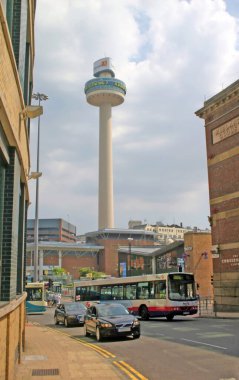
(2, 184)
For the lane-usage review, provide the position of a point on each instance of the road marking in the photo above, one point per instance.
(205, 344)
(130, 371)
(133, 370)
(214, 334)
(101, 350)
(185, 329)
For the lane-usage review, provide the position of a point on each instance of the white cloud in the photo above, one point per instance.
(171, 55)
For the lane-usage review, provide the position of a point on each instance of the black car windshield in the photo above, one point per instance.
(112, 310)
(78, 307)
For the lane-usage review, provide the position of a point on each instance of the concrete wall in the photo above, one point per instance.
(12, 336)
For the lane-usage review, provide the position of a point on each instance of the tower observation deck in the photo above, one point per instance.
(105, 92)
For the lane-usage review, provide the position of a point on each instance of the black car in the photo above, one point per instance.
(70, 313)
(110, 320)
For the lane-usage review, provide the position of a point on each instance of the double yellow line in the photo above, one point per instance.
(100, 350)
(130, 371)
(122, 365)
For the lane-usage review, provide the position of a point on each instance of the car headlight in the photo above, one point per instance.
(105, 325)
(136, 322)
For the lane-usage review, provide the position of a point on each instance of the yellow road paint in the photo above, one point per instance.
(138, 374)
(131, 376)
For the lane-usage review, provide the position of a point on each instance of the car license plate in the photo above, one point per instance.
(123, 329)
(185, 312)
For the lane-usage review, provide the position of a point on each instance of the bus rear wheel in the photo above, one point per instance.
(144, 313)
(170, 317)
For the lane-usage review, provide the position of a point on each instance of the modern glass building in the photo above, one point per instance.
(52, 230)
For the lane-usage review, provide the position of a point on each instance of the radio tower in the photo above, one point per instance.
(105, 92)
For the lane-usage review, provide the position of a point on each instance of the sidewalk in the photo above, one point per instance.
(219, 315)
(53, 355)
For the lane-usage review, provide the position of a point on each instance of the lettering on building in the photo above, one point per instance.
(228, 129)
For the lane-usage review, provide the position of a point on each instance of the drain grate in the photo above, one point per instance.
(45, 372)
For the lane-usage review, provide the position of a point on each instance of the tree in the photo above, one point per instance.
(89, 272)
(58, 271)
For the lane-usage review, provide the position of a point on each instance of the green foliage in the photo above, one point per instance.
(58, 271)
(89, 272)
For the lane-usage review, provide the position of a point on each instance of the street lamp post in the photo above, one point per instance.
(39, 97)
(130, 241)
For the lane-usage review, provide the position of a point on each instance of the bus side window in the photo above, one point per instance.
(130, 292)
(143, 290)
(83, 293)
(117, 292)
(160, 289)
(105, 293)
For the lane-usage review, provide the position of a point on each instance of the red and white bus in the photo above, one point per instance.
(157, 295)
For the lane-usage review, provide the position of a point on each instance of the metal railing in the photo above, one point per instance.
(207, 306)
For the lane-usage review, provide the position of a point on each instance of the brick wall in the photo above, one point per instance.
(221, 115)
(109, 257)
(12, 336)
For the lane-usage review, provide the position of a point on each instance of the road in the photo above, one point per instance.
(186, 348)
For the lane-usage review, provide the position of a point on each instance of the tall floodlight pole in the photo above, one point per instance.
(105, 92)
(39, 97)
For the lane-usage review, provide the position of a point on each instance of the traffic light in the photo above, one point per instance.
(50, 283)
(212, 279)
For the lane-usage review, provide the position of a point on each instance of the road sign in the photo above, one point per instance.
(180, 261)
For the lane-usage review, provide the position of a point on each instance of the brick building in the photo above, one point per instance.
(221, 115)
(112, 239)
(100, 252)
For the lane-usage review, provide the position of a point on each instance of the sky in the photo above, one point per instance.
(172, 55)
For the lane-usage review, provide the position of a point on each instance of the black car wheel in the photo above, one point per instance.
(98, 334)
(136, 335)
(66, 322)
(143, 312)
(56, 320)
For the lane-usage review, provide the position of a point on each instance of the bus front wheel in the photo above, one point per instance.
(143, 312)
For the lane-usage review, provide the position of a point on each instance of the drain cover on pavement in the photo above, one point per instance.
(45, 372)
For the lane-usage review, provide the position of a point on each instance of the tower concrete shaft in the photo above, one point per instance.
(106, 202)
(105, 92)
